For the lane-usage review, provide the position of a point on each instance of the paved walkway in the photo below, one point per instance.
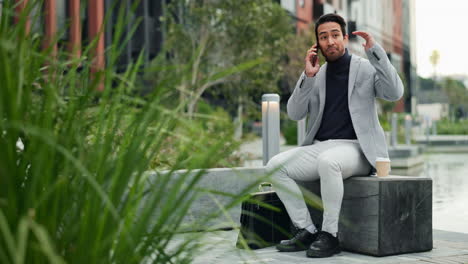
(449, 247)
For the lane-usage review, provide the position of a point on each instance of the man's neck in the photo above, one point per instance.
(341, 58)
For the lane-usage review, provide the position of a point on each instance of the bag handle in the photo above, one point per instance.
(264, 184)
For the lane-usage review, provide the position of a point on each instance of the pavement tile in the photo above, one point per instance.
(220, 249)
(460, 259)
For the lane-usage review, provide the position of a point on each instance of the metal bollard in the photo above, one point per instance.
(270, 126)
(427, 123)
(408, 127)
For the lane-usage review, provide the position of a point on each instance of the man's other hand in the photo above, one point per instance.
(370, 41)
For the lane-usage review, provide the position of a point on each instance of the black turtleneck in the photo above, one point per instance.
(336, 120)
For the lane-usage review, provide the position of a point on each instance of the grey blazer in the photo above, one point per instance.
(368, 79)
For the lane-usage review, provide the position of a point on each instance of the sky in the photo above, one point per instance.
(442, 25)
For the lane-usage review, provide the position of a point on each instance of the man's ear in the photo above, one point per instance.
(346, 39)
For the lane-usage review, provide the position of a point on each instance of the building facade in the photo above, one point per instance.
(304, 13)
(78, 22)
(391, 22)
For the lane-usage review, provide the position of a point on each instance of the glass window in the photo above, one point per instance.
(61, 8)
(37, 19)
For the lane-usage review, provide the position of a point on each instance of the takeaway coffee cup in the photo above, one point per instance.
(382, 165)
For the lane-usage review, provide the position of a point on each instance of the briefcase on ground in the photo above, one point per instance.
(264, 221)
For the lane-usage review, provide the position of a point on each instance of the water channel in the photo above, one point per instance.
(449, 172)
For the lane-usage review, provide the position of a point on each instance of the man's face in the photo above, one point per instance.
(331, 40)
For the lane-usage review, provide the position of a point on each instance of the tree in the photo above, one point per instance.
(458, 97)
(255, 29)
(234, 46)
(427, 83)
(296, 51)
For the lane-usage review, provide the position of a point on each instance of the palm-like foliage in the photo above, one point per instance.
(76, 192)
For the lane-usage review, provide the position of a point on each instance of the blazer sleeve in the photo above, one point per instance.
(297, 107)
(387, 83)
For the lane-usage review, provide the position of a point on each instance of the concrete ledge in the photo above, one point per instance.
(403, 151)
(447, 149)
(405, 156)
(408, 162)
(443, 140)
(416, 170)
(231, 182)
(379, 216)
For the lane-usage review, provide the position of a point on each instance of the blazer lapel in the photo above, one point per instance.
(353, 70)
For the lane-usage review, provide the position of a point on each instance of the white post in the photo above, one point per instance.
(408, 127)
(301, 131)
(393, 139)
(427, 122)
(414, 108)
(238, 122)
(270, 126)
(434, 127)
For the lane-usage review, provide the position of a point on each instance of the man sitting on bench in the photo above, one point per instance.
(344, 136)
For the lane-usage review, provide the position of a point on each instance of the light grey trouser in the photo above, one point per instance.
(330, 161)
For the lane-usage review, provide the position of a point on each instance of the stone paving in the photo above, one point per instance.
(449, 247)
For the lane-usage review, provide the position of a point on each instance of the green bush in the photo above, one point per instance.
(384, 123)
(211, 127)
(289, 130)
(78, 192)
(447, 127)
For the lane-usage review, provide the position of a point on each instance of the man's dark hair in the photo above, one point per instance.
(331, 18)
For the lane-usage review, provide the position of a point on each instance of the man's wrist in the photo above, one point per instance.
(370, 46)
(374, 53)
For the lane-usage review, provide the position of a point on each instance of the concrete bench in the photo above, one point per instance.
(383, 216)
(379, 216)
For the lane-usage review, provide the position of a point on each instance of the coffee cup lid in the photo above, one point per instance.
(382, 159)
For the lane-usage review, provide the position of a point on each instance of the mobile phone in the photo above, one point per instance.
(315, 56)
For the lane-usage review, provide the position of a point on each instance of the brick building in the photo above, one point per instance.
(77, 22)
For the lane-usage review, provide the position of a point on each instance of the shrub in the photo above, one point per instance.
(78, 192)
(447, 127)
(289, 130)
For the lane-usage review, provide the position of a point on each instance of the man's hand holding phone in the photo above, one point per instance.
(312, 65)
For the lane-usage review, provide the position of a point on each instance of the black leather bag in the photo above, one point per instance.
(264, 221)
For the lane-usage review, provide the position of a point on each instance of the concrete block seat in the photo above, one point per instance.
(382, 216)
(379, 216)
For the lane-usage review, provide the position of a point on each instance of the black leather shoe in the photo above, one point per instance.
(326, 245)
(301, 241)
